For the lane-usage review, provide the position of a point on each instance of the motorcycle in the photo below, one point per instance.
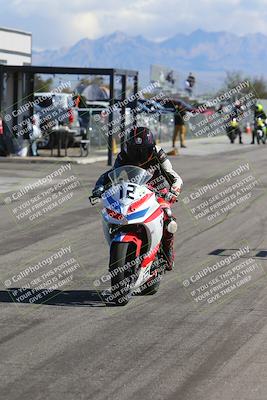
(233, 130)
(133, 226)
(260, 130)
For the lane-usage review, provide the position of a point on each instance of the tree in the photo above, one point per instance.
(67, 90)
(42, 85)
(257, 85)
(232, 79)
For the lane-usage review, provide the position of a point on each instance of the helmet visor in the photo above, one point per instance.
(139, 154)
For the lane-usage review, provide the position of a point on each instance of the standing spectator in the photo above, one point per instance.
(179, 128)
(180, 109)
(2, 146)
(179, 121)
(238, 112)
(170, 78)
(190, 83)
(7, 142)
(35, 134)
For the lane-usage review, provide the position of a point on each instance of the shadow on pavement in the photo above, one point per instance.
(255, 253)
(89, 298)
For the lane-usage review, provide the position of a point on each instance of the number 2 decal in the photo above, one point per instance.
(129, 192)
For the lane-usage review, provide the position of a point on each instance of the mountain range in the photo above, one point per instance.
(207, 54)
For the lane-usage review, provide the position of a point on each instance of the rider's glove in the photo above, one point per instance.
(98, 191)
(173, 194)
(96, 195)
(171, 197)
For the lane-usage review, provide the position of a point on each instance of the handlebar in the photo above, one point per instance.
(97, 194)
(169, 196)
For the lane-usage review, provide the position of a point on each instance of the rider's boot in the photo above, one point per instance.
(170, 227)
(167, 245)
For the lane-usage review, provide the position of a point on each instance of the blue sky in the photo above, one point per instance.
(59, 23)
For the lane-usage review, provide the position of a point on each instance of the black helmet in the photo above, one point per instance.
(140, 145)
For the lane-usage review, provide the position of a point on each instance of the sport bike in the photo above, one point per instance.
(133, 226)
(233, 130)
(260, 130)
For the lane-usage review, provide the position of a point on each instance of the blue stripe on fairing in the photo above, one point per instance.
(118, 237)
(137, 214)
(114, 203)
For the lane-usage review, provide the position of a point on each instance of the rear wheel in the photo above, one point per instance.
(234, 135)
(121, 274)
(231, 136)
(151, 287)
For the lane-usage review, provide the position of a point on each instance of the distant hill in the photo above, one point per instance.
(207, 54)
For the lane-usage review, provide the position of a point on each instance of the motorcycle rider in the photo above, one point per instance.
(141, 150)
(236, 116)
(258, 113)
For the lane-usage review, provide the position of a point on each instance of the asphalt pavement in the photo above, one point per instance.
(69, 344)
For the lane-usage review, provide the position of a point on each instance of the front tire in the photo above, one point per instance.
(120, 254)
(259, 138)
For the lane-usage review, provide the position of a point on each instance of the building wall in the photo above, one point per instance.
(15, 47)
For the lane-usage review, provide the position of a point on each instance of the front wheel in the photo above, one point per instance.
(259, 137)
(121, 274)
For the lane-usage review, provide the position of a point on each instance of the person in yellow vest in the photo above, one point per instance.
(258, 113)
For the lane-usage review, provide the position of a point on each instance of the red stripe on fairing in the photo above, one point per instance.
(163, 203)
(144, 135)
(154, 215)
(138, 203)
(151, 257)
(131, 237)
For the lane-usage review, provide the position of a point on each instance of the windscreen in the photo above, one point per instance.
(129, 173)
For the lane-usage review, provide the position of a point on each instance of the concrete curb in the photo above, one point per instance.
(53, 160)
(218, 144)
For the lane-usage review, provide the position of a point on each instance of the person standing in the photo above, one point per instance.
(190, 83)
(236, 115)
(181, 109)
(179, 127)
(34, 133)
